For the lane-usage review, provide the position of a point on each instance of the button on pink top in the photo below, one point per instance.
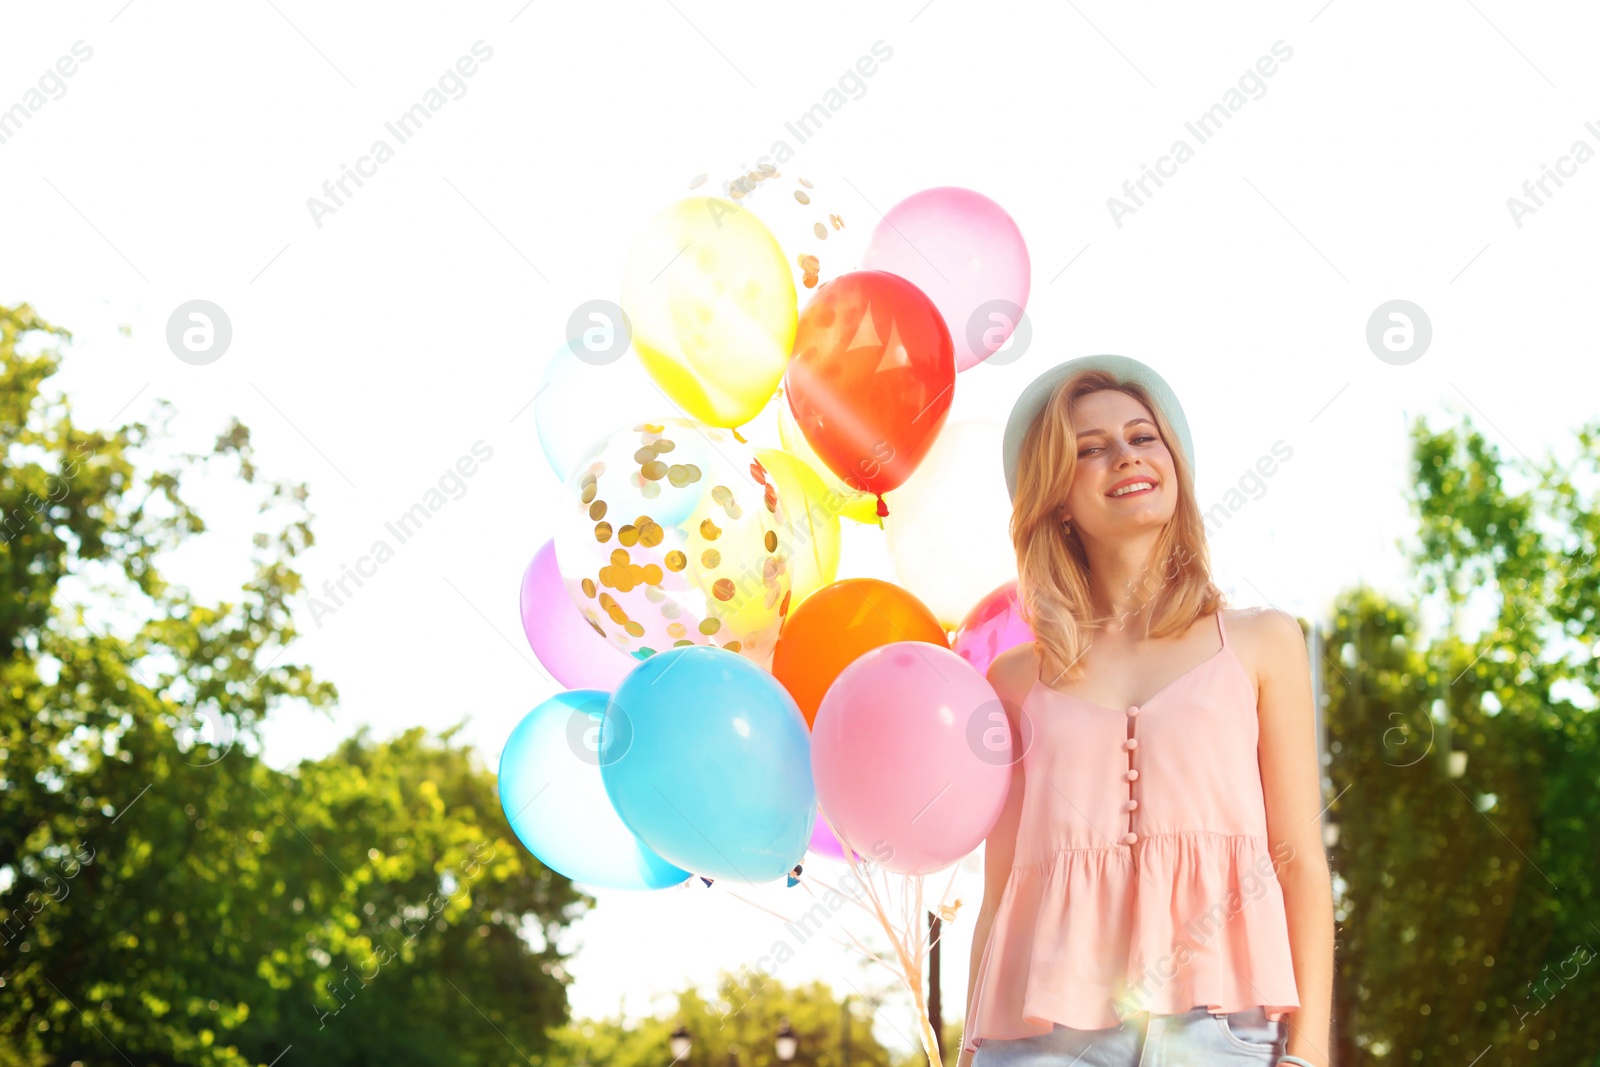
(1142, 878)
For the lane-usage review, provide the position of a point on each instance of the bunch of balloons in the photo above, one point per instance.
(724, 686)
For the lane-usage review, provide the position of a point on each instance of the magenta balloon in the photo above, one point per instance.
(559, 634)
(990, 628)
(911, 756)
(823, 843)
(962, 250)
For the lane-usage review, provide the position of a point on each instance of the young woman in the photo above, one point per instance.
(1156, 890)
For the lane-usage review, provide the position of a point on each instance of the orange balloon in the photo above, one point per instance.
(840, 622)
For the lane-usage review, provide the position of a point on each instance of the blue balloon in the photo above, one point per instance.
(552, 793)
(707, 758)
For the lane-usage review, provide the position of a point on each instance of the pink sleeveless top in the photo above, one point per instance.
(1142, 878)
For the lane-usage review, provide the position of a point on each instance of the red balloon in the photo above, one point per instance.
(872, 378)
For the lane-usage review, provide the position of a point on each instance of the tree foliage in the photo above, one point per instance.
(739, 1025)
(165, 896)
(1470, 915)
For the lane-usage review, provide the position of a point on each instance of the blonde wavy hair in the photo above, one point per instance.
(1052, 566)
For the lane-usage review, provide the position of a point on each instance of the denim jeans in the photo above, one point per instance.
(1194, 1039)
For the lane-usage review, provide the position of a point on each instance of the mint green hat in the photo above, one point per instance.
(1123, 368)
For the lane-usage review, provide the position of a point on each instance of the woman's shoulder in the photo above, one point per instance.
(1251, 616)
(1259, 634)
(1014, 671)
(1258, 623)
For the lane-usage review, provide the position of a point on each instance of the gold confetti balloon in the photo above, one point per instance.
(674, 535)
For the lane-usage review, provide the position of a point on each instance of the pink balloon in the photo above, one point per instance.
(911, 756)
(962, 250)
(559, 634)
(990, 628)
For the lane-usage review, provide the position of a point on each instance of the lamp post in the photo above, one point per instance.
(844, 1030)
(733, 1056)
(680, 1043)
(787, 1042)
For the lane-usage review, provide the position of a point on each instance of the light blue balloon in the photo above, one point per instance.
(580, 400)
(707, 759)
(552, 793)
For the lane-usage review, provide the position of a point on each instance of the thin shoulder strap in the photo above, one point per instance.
(1222, 631)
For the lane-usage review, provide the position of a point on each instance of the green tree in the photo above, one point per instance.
(167, 898)
(744, 1017)
(1469, 905)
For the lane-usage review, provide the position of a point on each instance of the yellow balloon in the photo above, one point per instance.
(858, 506)
(712, 307)
(809, 512)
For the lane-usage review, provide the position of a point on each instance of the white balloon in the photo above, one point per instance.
(948, 527)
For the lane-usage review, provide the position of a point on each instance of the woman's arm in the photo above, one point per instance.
(1292, 784)
(1006, 673)
(980, 940)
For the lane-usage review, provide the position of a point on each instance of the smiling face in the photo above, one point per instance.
(1119, 447)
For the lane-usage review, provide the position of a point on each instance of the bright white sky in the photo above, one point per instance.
(368, 354)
